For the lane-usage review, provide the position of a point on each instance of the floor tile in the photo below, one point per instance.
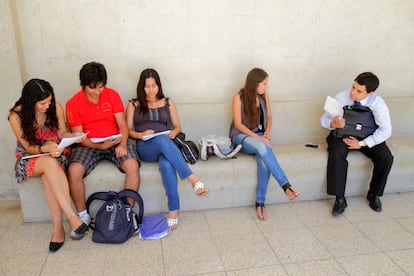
(315, 213)
(404, 259)
(245, 251)
(280, 216)
(231, 221)
(407, 223)
(328, 267)
(373, 264)
(333, 238)
(190, 255)
(296, 245)
(358, 210)
(273, 270)
(397, 206)
(22, 263)
(387, 234)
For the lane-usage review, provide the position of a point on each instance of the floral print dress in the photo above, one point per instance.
(24, 167)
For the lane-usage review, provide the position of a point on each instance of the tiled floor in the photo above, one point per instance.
(299, 238)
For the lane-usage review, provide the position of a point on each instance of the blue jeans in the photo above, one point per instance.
(266, 163)
(170, 160)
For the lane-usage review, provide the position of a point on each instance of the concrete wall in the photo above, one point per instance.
(203, 51)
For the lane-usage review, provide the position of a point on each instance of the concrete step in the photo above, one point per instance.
(232, 182)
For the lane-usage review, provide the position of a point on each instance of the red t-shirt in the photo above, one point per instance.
(97, 119)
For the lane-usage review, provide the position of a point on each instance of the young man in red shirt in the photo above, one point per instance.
(98, 111)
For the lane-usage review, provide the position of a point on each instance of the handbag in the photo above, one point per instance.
(359, 122)
(217, 145)
(188, 149)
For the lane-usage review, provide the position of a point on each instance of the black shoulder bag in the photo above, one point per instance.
(188, 149)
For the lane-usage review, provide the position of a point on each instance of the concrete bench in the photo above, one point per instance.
(232, 182)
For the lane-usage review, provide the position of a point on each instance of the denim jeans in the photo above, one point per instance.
(170, 160)
(266, 163)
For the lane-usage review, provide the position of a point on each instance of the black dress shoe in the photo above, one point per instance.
(55, 246)
(80, 232)
(339, 206)
(374, 202)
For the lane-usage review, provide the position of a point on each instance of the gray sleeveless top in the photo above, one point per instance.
(155, 119)
(262, 118)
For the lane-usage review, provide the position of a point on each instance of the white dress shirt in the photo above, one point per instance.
(379, 109)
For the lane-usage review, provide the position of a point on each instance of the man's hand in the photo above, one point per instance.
(120, 151)
(351, 142)
(109, 143)
(338, 122)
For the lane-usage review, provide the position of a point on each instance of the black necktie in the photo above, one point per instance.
(357, 103)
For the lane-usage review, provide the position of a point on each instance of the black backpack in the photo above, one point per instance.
(115, 221)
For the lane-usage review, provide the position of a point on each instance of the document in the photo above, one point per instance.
(333, 107)
(35, 155)
(100, 140)
(66, 142)
(147, 137)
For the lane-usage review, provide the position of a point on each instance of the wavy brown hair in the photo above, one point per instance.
(249, 92)
(35, 90)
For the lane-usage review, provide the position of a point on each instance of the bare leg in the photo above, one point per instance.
(76, 185)
(132, 180)
(56, 190)
(58, 234)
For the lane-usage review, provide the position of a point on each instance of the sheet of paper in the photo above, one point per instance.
(333, 107)
(147, 137)
(100, 140)
(35, 155)
(66, 142)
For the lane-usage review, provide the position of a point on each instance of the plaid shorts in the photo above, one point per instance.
(89, 158)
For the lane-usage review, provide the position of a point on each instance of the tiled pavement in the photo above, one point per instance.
(299, 238)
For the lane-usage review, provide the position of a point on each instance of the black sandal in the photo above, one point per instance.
(262, 206)
(286, 187)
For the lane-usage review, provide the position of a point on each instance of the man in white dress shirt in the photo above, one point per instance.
(373, 146)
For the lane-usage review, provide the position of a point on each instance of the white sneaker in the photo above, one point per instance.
(86, 218)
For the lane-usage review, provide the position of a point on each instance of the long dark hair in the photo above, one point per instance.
(35, 90)
(141, 96)
(249, 92)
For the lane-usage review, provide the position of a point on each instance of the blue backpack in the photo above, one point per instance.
(115, 221)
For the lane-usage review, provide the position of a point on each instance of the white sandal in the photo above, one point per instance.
(199, 185)
(172, 223)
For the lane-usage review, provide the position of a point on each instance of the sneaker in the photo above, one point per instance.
(86, 218)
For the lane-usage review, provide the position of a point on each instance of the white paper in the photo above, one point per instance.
(66, 142)
(100, 140)
(35, 155)
(333, 107)
(147, 137)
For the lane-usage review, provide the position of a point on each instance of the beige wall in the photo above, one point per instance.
(203, 50)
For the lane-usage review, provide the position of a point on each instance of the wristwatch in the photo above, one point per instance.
(361, 144)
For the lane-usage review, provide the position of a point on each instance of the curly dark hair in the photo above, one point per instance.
(141, 96)
(35, 90)
(248, 92)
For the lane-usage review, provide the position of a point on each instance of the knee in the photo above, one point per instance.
(130, 166)
(75, 171)
(165, 165)
(263, 149)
